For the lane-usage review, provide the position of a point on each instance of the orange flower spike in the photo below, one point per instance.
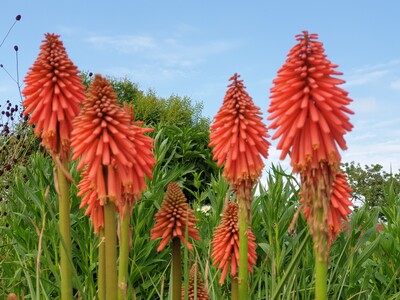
(173, 217)
(306, 103)
(238, 136)
(225, 252)
(53, 94)
(106, 140)
(196, 286)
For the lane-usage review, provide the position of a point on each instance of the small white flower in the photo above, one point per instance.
(206, 209)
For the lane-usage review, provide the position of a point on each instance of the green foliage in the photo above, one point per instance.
(369, 183)
(186, 147)
(364, 261)
(154, 110)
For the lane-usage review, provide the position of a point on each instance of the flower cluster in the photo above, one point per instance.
(113, 150)
(53, 94)
(174, 218)
(225, 243)
(196, 286)
(310, 115)
(307, 108)
(238, 135)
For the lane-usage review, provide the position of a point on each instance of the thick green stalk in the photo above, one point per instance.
(176, 269)
(110, 230)
(101, 277)
(65, 233)
(123, 257)
(321, 270)
(321, 261)
(243, 250)
(234, 289)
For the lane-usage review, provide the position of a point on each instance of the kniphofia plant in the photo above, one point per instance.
(238, 137)
(53, 94)
(225, 250)
(175, 221)
(116, 161)
(310, 116)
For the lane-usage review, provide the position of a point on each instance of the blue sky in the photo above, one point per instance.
(191, 48)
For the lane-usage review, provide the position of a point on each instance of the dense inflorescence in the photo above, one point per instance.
(174, 218)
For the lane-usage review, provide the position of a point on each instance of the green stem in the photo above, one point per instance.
(65, 233)
(101, 278)
(110, 229)
(176, 269)
(243, 249)
(321, 271)
(234, 289)
(321, 259)
(123, 257)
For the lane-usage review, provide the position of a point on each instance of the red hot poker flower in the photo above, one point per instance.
(239, 136)
(307, 108)
(173, 218)
(225, 243)
(105, 139)
(339, 206)
(196, 286)
(53, 94)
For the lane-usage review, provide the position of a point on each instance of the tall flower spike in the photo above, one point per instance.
(238, 136)
(196, 286)
(339, 206)
(307, 108)
(225, 243)
(53, 94)
(105, 140)
(174, 218)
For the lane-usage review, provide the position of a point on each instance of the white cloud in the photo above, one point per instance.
(383, 153)
(167, 51)
(146, 74)
(362, 78)
(369, 73)
(374, 141)
(125, 44)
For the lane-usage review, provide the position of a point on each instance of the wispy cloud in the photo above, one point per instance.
(369, 73)
(362, 78)
(383, 153)
(146, 73)
(381, 66)
(126, 44)
(168, 51)
(374, 141)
